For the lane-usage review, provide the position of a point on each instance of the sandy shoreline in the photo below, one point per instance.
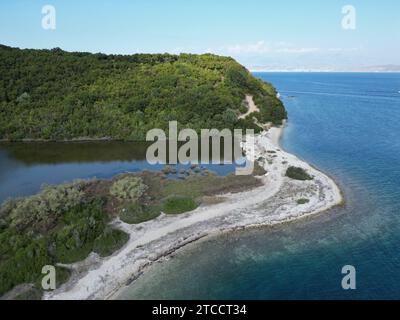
(273, 203)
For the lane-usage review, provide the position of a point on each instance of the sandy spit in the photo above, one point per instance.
(273, 203)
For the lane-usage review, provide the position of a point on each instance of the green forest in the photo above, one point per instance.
(59, 95)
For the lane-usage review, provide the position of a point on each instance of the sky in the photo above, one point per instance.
(258, 33)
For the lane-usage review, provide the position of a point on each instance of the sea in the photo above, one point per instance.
(347, 125)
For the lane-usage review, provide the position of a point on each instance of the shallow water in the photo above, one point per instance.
(349, 126)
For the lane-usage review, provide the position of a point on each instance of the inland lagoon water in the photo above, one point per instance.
(348, 125)
(25, 167)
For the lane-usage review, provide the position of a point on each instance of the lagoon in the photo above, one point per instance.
(346, 124)
(25, 167)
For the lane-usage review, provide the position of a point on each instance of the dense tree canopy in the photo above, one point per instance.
(53, 94)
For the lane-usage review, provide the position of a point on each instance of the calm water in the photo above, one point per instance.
(349, 126)
(24, 167)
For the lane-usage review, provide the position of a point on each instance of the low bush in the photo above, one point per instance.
(138, 213)
(128, 188)
(41, 212)
(243, 109)
(178, 204)
(74, 240)
(298, 174)
(110, 241)
(303, 201)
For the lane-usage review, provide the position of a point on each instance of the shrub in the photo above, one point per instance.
(303, 201)
(109, 241)
(178, 204)
(73, 241)
(128, 188)
(243, 109)
(137, 213)
(298, 174)
(41, 211)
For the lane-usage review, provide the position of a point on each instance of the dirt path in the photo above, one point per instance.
(252, 107)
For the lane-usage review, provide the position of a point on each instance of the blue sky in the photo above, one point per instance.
(278, 33)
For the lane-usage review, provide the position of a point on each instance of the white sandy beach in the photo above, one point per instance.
(274, 202)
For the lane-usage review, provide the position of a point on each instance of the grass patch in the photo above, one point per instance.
(110, 241)
(138, 213)
(303, 201)
(178, 204)
(243, 109)
(298, 174)
(211, 184)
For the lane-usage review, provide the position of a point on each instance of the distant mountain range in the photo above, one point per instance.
(382, 68)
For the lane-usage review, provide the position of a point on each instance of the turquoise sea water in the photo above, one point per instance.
(25, 167)
(348, 125)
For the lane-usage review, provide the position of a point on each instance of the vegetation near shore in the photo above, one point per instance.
(298, 174)
(179, 204)
(128, 188)
(64, 223)
(57, 95)
(303, 201)
(136, 213)
(60, 224)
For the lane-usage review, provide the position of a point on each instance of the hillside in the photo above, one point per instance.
(57, 95)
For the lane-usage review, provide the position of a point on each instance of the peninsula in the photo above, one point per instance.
(103, 234)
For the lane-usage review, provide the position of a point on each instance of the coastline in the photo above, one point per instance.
(272, 203)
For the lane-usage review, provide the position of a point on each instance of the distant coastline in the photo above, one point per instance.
(373, 69)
